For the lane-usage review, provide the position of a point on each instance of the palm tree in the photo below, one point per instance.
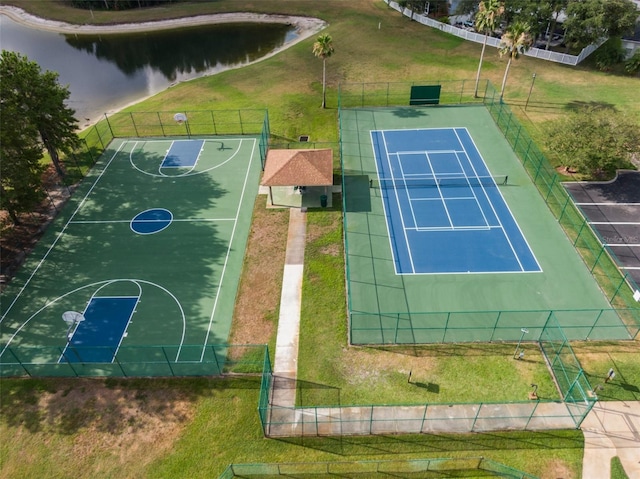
(323, 48)
(486, 20)
(514, 42)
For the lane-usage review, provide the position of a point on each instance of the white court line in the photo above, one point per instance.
(506, 205)
(473, 191)
(226, 259)
(64, 228)
(124, 331)
(444, 203)
(622, 244)
(404, 229)
(80, 222)
(475, 172)
(190, 172)
(406, 186)
(455, 228)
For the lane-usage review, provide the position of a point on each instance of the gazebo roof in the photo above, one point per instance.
(298, 168)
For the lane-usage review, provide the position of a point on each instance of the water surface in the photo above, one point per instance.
(106, 72)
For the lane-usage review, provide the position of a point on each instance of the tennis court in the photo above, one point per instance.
(439, 196)
(143, 263)
(441, 248)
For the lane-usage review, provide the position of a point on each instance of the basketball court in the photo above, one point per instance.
(141, 266)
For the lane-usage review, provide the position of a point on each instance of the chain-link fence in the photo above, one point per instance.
(424, 327)
(414, 468)
(134, 361)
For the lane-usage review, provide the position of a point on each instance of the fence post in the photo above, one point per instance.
(564, 208)
(133, 122)
(371, 422)
(446, 327)
(595, 263)
(594, 324)
(62, 355)
(476, 418)
(531, 415)
(424, 417)
(115, 358)
(19, 362)
(168, 362)
(615, 293)
(109, 125)
(495, 326)
(213, 122)
(553, 182)
(161, 125)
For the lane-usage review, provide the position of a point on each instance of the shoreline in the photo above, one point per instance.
(305, 28)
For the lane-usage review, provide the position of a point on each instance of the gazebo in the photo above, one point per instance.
(299, 178)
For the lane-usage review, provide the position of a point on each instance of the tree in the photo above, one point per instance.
(594, 141)
(41, 100)
(487, 17)
(323, 48)
(20, 154)
(590, 20)
(514, 43)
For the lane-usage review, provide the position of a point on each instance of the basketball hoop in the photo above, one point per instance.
(180, 118)
(72, 318)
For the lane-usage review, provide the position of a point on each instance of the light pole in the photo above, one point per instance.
(533, 80)
(524, 331)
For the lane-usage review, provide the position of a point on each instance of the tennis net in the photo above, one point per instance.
(438, 182)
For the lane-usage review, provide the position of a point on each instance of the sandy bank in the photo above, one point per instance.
(306, 26)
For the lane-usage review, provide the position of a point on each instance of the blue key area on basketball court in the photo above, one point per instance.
(444, 211)
(183, 153)
(97, 338)
(151, 221)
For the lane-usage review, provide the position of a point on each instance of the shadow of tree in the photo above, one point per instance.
(579, 106)
(67, 405)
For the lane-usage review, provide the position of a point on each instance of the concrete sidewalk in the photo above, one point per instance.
(612, 428)
(285, 370)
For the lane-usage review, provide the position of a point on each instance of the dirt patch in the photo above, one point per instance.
(557, 469)
(104, 416)
(17, 241)
(257, 305)
(363, 365)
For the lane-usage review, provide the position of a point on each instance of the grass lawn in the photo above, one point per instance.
(195, 427)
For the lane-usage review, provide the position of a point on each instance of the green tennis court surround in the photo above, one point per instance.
(579, 284)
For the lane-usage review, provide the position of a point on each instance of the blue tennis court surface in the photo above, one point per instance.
(444, 209)
(100, 334)
(183, 153)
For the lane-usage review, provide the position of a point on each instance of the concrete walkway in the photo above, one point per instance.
(285, 370)
(612, 428)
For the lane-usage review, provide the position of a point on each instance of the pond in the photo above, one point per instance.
(109, 71)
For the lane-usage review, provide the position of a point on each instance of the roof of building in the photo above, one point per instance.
(298, 168)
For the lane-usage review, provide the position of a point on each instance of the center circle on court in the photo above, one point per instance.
(151, 221)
